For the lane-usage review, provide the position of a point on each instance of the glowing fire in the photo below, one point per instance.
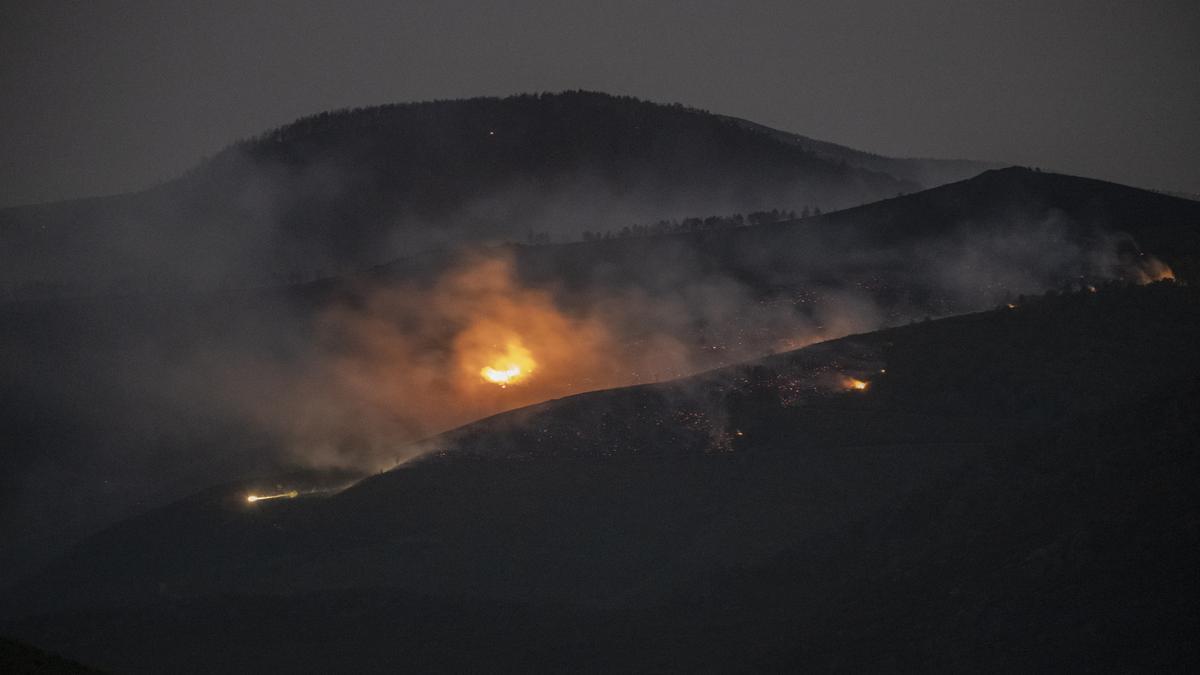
(512, 365)
(501, 376)
(1160, 271)
(1151, 269)
(282, 495)
(855, 384)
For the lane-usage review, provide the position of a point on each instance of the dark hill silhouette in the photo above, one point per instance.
(349, 188)
(20, 658)
(1016, 490)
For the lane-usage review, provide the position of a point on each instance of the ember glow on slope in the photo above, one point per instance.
(855, 384)
(1153, 269)
(253, 498)
(292, 494)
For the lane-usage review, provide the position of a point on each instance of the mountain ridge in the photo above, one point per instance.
(338, 189)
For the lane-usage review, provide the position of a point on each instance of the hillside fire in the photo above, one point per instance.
(854, 384)
(1157, 270)
(515, 364)
(1150, 269)
(292, 494)
(501, 377)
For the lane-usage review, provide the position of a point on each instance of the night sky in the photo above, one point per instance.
(102, 97)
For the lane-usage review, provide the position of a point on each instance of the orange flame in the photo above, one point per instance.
(855, 384)
(509, 367)
(292, 494)
(1161, 272)
(1152, 269)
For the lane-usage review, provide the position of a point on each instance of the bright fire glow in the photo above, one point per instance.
(855, 384)
(510, 366)
(282, 495)
(501, 376)
(1161, 272)
(1151, 269)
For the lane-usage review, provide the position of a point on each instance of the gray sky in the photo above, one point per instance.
(103, 97)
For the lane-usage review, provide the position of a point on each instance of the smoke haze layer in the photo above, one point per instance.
(127, 401)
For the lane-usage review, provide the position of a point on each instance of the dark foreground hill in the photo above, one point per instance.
(353, 188)
(1013, 490)
(19, 658)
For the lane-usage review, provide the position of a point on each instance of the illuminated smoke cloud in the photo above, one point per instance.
(401, 361)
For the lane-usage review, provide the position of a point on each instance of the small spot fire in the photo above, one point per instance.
(291, 494)
(854, 384)
(1148, 269)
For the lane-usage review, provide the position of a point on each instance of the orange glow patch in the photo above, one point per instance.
(1150, 270)
(1160, 271)
(854, 384)
(509, 367)
(292, 494)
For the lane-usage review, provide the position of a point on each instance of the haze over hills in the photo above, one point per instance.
(559, 478)
(348, 189)
(128, 401)
(1027, 473)
(349, 360)
(954, 248)
(922, 171)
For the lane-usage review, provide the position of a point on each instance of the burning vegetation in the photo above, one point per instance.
(291, 494)
(403, 361)
(1142, 268)
(1152, 270)
(854, 384)
(510, 367)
